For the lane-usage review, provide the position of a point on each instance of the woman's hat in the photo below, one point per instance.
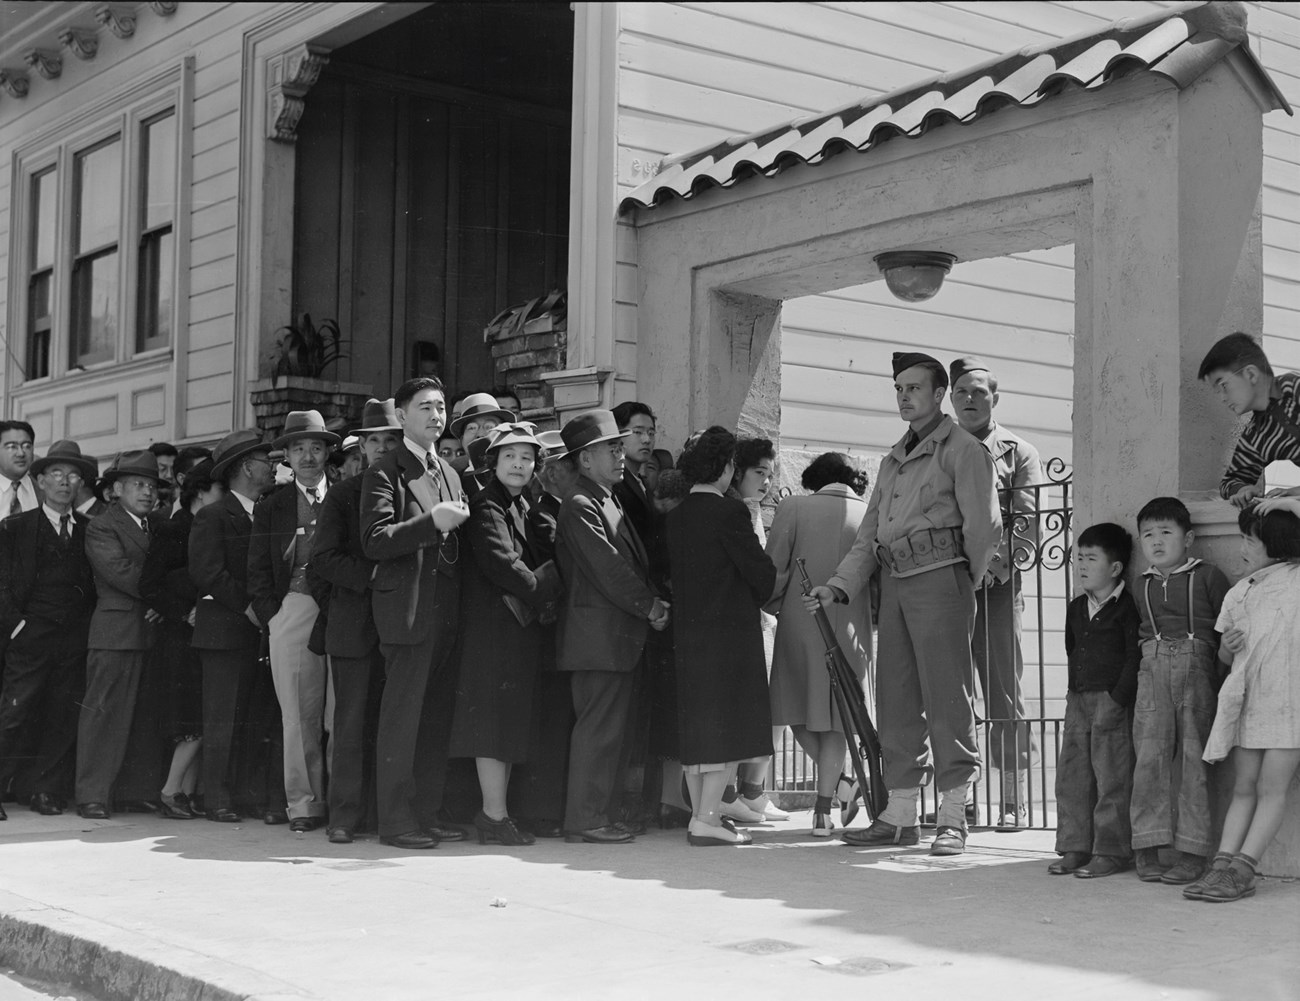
(378, 415)
(590, 428)
(234, 447)
(134, 463)
(476, 453)
(305, 424)
(68, 452)
(518, 433)
(479, 405)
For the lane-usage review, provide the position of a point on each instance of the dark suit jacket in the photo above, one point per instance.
(339, 560)
(116, 546)
(397, 531)
(607, 585)
(218, 566)
(164, 582)
(271, 550)
(18, 569)
(638, 507)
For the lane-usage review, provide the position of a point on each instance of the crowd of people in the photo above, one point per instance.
(449, 619)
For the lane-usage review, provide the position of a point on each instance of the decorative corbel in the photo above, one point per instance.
(81, 42)
(289, 76)
(119, 20)
(163, 8)
(46, 62)
(14, 82)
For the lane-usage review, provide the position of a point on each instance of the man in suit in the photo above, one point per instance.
(356, 666)
(47, 594)
(411, 506)
(602, 632)
(284, 532)
(228, 635)
(121, 629)
(17, 488)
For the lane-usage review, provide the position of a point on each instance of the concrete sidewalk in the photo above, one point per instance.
(140, 908)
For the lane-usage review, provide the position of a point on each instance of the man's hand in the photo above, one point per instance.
(449, 515)
(1235, 640)
(818, 597)
(189, 618)
(1245, 495)
(658, 617)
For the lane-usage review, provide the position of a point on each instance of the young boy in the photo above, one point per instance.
(1094, 772)
(1179, 599)
(1239, 372)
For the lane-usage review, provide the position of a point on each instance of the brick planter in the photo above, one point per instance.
(524, 350)
(274, 399)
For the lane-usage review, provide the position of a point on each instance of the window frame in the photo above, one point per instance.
(126, 115)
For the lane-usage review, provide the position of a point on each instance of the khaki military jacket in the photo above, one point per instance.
(1016, 466)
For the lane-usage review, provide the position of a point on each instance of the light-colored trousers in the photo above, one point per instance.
(302, 687)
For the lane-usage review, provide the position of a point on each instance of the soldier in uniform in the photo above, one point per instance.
(932, 526)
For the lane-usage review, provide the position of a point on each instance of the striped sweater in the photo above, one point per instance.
(1266, 438)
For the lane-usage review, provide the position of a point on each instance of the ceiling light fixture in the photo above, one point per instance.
(915, 275)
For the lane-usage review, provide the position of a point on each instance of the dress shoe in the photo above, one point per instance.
(764, 807)
(224, 815)
(174, 808)
(1012, 818)
(1187, 869)
(1068, 863)
(272, 817)
(672, 816)
(3, 815)
(141, 806)
(972, 816)
(739, 812)
(702, 835)
(340, 836)
(546, 828)
(632, 827)
(502, 832)
(1102, 865)
(445, 832)
(413, 840)
(847, 792)
(948, 841)
(44, 804)
(304, 825)
(608, 835)
(881, 834)
(1195, 891)
(1149, 866)
(194, 801)
(93, 811)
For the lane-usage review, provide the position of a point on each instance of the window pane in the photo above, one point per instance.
(154, 312)
(98, 178)
(38, 326)
(43, 193)
(94, 309)
(159, 157)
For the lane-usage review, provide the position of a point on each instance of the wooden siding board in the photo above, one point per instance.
(214, 332)
(209, 363)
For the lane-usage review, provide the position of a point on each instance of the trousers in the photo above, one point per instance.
(301, 684)
(1094, 777)
(598, 750)
(104, 726)
(1000, 665)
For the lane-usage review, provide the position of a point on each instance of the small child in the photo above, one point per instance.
(1258, 721)
(1239, 372)
(1179, 598)
(1094, 771)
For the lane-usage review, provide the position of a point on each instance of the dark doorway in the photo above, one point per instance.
(432, 186)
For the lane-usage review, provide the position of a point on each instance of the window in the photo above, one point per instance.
(95, 236)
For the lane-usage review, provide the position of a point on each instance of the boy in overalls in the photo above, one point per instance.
(1179, 598)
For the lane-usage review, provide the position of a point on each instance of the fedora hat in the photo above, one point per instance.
(305, 424)
(378, 415)
(69, 453)
(552, 444)
(477, 454)
(590, 428)
(140, 462)
(234, 447)
(479, 405)
(349, 443)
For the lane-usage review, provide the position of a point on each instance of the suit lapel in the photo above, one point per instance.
(416, 476)
(129, 529)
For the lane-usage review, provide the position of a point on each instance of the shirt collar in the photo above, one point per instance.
(86, 505)
(1153, 572)
(706, 488)
(419, 451)
(55, 518)
(1095, 606)
(245, 502)
(314, 494)
(139, 521)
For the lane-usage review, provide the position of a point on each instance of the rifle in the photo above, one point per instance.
(851, 706)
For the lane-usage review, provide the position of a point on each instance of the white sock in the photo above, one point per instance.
(902, 808)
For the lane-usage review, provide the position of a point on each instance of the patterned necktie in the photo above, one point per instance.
(64, 533)
(15, 505)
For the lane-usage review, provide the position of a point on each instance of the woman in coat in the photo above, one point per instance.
(721, 578)
(505, 587)
(820, 528)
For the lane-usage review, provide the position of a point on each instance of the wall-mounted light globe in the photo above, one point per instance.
(915, 275)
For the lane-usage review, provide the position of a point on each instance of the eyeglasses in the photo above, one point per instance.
(60, 477)
(648, 433)
(18, 446)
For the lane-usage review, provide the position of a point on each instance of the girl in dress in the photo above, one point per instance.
(1258, 721)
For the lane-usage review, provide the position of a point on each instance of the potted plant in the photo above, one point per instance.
(302, 351)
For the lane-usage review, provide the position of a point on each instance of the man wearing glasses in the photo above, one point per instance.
(47, 593)
(17, 491)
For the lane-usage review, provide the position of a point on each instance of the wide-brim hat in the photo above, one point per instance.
(552, 444)
(305, 424)
(350, 442)
(476, 454)
(234, 447)
(201, 470)
(479, 405)
(590, 427)
(518, 433)
(378, 415)
(133, 463)
(68, 452)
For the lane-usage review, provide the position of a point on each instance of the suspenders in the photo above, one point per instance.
(1191, 622)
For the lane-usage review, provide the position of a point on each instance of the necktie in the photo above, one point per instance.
(517, 515)
(911, 441)
(64, 533)
(15, 505)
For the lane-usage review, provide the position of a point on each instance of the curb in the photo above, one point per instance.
(116, 964)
